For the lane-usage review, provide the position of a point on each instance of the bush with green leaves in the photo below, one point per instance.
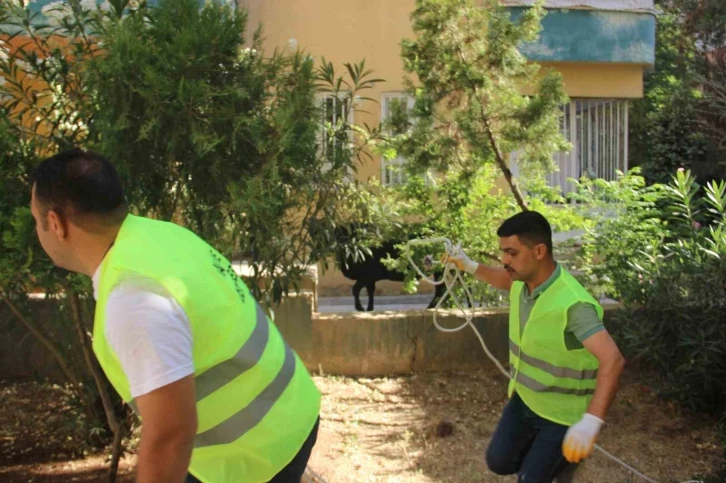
(203, 128)
(679, 122)
(226, 140)
(663, 249)
(467, 213)
(38, 116)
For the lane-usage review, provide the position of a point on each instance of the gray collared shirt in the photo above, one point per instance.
(582, 319)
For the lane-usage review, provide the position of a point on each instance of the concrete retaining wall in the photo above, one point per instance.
(383, 343)
(401, 342)
(351, 344)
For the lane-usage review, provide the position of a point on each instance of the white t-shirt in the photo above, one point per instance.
(149, 332)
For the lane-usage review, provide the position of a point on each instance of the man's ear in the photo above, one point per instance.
(540, 251)
(57, 224)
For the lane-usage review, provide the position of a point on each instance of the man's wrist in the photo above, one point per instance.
(471, 266)
(591, 418)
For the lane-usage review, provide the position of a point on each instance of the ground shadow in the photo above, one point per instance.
(38, 475)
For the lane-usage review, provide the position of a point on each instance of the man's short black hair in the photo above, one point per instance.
(530, 226)
(80, 185)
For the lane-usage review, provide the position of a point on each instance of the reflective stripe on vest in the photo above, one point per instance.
(216, 377)
(246, 358)
(247, 418)
(530, 383)
(556, 371)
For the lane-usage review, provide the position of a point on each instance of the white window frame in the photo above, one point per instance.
(392, 172)
(322, 98)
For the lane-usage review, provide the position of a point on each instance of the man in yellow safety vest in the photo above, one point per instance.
(565, 367)
(221, 396)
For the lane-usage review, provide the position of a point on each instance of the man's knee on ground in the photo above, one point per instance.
(500, 463)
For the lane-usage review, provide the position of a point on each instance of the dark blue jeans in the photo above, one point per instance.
(526, 445)
(293, 472)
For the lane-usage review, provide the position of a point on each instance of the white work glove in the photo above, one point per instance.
(463, 262)
(580, 439)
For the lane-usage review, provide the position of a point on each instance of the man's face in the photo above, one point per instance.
(520, 260)
(51, 232)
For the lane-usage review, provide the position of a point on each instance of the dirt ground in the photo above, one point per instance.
(384, 430)
(41, 439)
(391, 430)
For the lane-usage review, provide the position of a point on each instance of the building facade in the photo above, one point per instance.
(602, 48)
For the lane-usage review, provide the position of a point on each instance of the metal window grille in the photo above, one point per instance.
(332, 109)
(598, 132)
(392, 172)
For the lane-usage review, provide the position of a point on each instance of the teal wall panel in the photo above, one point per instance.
(593, 36)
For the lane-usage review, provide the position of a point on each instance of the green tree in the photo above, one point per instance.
(470, 107)
(680, 121)
(715, 98)
(705, 20)
(45, 106)
(477, 100)
(665, 124)
(227, 141)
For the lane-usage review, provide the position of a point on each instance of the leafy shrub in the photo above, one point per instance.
(467, 211)
(662, 251)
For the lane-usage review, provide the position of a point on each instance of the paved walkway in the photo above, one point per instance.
(383, 303)
(380, 303)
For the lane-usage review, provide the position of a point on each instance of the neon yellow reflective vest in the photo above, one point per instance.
(256, 402)
(555, 383)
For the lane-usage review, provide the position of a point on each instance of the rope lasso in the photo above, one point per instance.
(450, 282)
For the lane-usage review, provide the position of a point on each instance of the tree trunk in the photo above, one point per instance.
(93, 366)
(495, 147)
(67, 372)
(116, 455)
(505, 170)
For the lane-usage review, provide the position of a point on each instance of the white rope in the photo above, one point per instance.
(450, 281)
(449, 285)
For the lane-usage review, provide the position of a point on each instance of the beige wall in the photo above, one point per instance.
(373, 29)
(351, 344)
(369, 29)
(600, 80)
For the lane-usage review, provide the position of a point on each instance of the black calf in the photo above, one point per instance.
(369, 270)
